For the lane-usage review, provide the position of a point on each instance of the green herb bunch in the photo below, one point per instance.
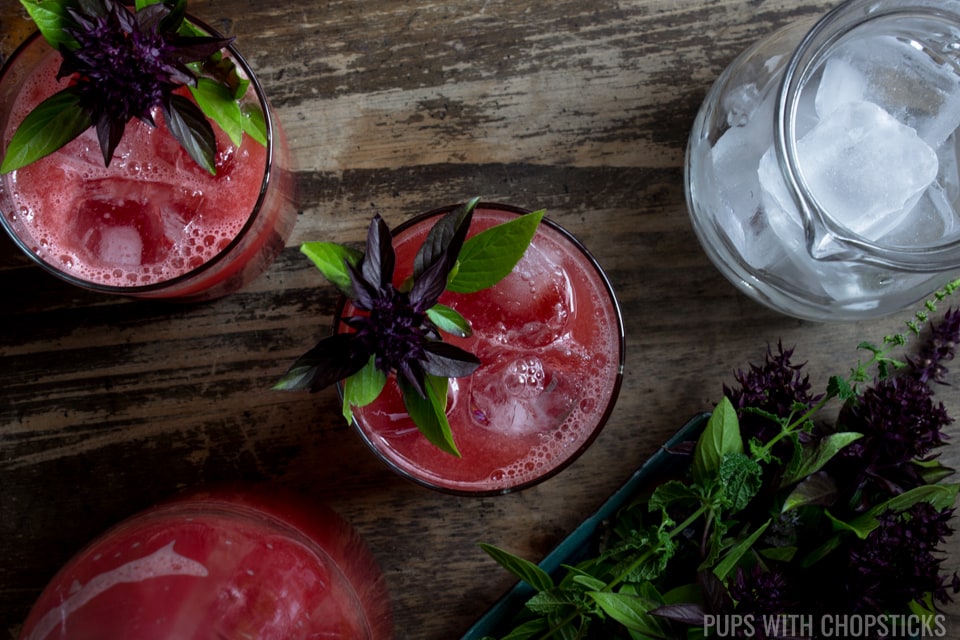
(781, 513)
(124, 64)
(397, 332)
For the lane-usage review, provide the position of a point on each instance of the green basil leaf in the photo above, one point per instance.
(779, 554)
(535, 628)
(449, 320)
(721, 437)
(816, 489)
(362, 388)
(941, 496)
(672, 492)
(217, 103)
(729, 562)
(52, 124)
(813, 458)
(192, 130)
(429, 414)
(254, 124)
(630, 611)
(51, 17)
(491, 255)
(330, 258)
(520, 567)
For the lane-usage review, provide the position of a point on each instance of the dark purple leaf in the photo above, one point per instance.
(109, 134)
(412, 372)
(688, 613)
(445, 239)
(332, 359)
(428, 287)
(379, 259)
(191, 128)
(448, 361)
(364, 295)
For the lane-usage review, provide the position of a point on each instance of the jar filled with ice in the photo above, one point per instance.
(822, 175)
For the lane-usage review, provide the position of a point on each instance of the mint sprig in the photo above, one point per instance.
(399, 328)
(779, 512)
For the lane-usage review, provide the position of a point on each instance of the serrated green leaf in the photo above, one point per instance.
(331, 259)
(522, 568)
(672, 492)
(840, 387)
(546, 603)
(52, 124)
(720, 437)
(429, 414)
(491, 255)
(449, 320)
(362, 388)
(740, 478)
(217, 103)
(50, 17)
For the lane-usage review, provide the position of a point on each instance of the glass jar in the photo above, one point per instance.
(821, 172)
(153, 224)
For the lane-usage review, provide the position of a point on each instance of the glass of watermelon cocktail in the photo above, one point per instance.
(548, 343)
(238, 562)
(151, 220)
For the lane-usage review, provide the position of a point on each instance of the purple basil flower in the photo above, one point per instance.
(394, 330)
(127, 64)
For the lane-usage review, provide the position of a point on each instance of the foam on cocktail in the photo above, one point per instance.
(150, 216)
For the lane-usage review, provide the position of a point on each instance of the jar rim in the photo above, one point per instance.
(826, 237)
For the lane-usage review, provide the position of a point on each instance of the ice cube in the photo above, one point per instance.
(840, 83)
(120, 246)
(866, 168)
(519, 394)
(532, 306)
(118, 223)
(909, 79)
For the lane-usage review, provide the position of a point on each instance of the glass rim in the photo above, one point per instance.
(829, 30)
(255, 213)
(601, 421)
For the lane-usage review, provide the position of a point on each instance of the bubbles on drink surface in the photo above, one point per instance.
(152, 215)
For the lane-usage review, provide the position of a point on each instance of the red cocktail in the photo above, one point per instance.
(550, 339)
(153, 223)
(227, 564)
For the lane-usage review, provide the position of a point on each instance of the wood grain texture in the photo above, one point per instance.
(108, 405)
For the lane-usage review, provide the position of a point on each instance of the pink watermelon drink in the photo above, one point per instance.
(227, 564)
(153, 223)
(550, 340)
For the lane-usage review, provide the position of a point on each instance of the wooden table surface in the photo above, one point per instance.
(109, 405)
